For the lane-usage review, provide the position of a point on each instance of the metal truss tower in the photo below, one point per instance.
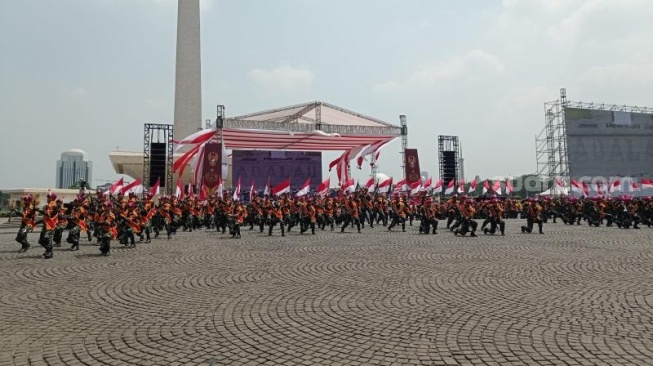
(551, 143)
(450, 157)
(158, 133)
(403, 123)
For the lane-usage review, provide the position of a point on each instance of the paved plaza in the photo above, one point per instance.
(574, 296)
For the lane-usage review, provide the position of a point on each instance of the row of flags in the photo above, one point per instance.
(602, 188)
(384, 186)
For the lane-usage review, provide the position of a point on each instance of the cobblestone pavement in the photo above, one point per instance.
(575, 296)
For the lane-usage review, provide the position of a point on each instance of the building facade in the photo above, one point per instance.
(72, 168)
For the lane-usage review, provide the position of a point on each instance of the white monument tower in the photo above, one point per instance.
(188, 72)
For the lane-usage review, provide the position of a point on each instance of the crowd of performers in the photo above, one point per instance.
(130, 219)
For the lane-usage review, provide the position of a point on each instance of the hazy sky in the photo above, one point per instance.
(88, 73)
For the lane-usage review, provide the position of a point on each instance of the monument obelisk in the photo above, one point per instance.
(188, 72)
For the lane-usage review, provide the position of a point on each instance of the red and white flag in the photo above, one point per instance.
(281, 188)
(323, 188)
(415, 188)
(438, 186)
(472, 186)
(191, 191)
(560, 183)
(509, 187)
(116, 187)
(577, 187)
(130, 187)
(634, 187)
(305, 189)
(134, 187)
(615, 185)
(370, 184)
(496, 187)
(486, 187)
(461, 186)
(401, 186)
(427, 185)
(179, 191)
(252, 191)
(349, 186)
(647, 183)
(236, 196)
(450, 187)
(202, 195)
(220, 190)
(586, 188)
(384, 187)
(376, 158)
(155, 188)
(266, 190)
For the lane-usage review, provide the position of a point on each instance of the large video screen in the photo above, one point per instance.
(277, 166)
(609, 143)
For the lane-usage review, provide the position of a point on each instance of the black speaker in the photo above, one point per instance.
(449, 166)
(158, 164)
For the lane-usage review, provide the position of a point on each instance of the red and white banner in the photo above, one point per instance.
(196, 138)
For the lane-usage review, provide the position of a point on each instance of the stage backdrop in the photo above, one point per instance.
(278, 166)
(609, 143)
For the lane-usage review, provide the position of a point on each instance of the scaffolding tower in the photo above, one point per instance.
(449, 144)
(403, 124)
(157, 133)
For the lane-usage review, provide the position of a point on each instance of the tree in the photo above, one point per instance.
(4, 200)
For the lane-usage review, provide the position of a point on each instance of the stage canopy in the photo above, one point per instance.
(314, 126)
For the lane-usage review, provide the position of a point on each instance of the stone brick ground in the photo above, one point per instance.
(575, 296)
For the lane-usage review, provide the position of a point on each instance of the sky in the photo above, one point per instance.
(88, 74)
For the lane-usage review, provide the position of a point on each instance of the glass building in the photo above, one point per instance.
(72, 168)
